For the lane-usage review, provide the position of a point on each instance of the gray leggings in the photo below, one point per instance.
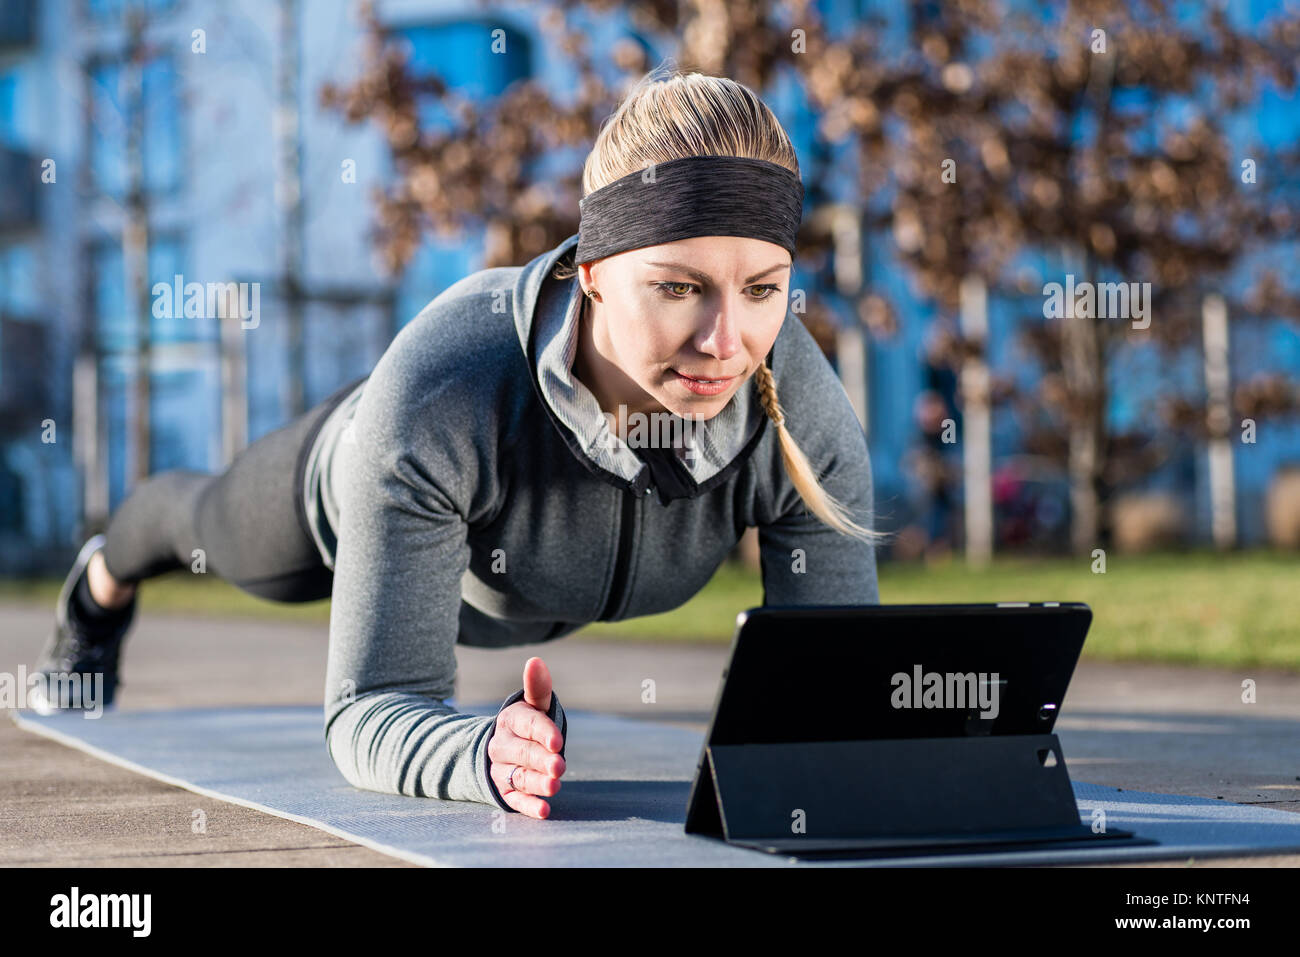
(249, 520)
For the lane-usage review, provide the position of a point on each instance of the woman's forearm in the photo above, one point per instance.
(403, 743)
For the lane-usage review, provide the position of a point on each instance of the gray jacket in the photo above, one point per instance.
(470, 491)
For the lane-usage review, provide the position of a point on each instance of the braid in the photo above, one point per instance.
(820, 502)
(767, 395)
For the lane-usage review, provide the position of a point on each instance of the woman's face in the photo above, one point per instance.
(683, 325)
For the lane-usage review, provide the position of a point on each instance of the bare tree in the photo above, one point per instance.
(1063, 139)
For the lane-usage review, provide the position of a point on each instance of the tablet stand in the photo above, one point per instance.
(826, 796)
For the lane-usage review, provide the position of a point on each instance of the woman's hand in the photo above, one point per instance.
(525, 737)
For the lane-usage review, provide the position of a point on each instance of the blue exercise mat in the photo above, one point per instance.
(623, 802)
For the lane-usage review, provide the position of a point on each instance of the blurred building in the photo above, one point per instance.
(207, 159)
(208, 138)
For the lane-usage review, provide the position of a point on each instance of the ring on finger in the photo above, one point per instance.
(511, 779)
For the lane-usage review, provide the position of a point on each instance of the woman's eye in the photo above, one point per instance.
(671, 290)
(668, 288)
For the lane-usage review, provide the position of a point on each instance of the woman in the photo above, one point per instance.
(503, 477)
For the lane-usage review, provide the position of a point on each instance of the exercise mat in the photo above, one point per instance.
(622, 804)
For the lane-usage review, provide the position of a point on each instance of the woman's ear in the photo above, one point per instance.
(587, 280)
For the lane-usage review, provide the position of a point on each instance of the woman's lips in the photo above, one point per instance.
(701, 386)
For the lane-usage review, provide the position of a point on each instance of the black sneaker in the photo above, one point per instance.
(79, 663)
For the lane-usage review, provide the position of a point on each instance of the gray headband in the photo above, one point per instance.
(692, 196)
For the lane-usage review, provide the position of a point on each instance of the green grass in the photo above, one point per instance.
(1201, 608)
(181, 593)
(1226, 610)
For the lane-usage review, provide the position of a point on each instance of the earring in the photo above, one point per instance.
(593, 295)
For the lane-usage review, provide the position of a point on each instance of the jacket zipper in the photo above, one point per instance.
(623, 557)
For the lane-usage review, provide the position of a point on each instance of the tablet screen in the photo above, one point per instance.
(832, 673)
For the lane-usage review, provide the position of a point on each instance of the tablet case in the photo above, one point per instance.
(806, 754)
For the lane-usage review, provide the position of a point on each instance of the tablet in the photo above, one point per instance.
(860, 711)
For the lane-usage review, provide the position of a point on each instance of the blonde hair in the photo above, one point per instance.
(664, 118)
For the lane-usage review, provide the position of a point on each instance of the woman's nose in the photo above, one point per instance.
(720, 335)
